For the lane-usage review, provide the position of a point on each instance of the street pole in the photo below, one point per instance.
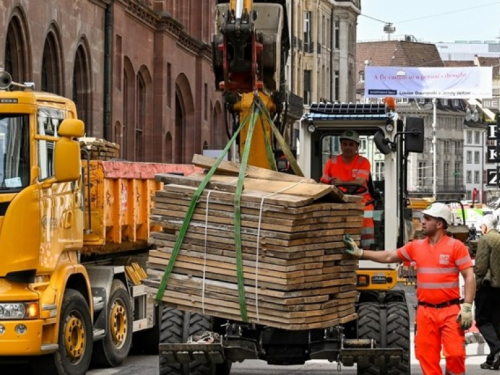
(434, 166)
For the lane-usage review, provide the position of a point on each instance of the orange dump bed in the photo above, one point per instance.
(120, 202)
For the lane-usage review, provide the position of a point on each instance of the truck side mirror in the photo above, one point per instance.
(67, 162)
(414, 137)
(383, 144)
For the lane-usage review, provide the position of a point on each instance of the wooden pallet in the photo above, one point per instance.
(295, 274)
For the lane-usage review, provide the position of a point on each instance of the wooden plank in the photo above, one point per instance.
(221, 185)
(228, 167)
(300, 188)
(320, 209)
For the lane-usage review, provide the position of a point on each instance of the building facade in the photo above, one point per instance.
(323, 59)
(139, 71)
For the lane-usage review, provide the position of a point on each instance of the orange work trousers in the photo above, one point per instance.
(436, 327)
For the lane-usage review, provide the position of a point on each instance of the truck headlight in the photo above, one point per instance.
(19, 310)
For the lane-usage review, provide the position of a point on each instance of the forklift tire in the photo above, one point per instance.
(75, 340)
(390, 328)
(112, 350)
(398, 335)
(369, 327)
(176, 327)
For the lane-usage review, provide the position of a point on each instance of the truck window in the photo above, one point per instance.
(14, 152)
(49, 120)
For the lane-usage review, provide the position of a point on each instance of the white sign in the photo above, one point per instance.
(414, 82)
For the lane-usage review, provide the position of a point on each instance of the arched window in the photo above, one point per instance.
(17, 53)
(141, 119)
(51, 65)
(82, 88)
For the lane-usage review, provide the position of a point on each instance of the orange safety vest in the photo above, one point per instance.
(358, 167)
(438, 267)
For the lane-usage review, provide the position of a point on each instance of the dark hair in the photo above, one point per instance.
(445, 224)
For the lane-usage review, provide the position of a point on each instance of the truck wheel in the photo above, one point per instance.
(398, 335)
(75, 340)
(112, 350)
(176, 327)
(369, 327)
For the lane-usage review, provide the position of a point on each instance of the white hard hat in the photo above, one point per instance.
(439, 210)
(351, 135)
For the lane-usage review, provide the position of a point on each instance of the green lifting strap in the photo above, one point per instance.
(237, 214)
(281, 141)
(189, 215)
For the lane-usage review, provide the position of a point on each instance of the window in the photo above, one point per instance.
(455, 103)
(379, 171)
(337, 85)
(446, 173)
(469, 157)
(362, 146)
(469, 137)
(307, 87)
(15, 152)
(445, 102)
(487, 103)
(447, 149)
(469, 177)
(337, 33)
(458, 148)
(477, 156)
(49, 120)
(421, 173)
(477, 138)
(307, 32)
(476, 177)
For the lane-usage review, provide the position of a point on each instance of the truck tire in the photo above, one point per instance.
(369, 327)
(176, 327)
(112, 350)
(75, 340)
(398, 335)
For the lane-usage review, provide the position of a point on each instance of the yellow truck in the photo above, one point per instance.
(73, 233)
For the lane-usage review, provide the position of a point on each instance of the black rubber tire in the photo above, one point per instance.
(176, 327)
(107, 352)
(74, 305)
(393, 296)
(369, 296)
(369, 327)
(398, 335)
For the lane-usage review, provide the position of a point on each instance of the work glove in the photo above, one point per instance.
(351, 247)
(465, 316)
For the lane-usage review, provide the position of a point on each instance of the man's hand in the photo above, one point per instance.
(351, 247)
(465, 316)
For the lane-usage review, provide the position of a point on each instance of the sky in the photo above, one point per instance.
(431, 20)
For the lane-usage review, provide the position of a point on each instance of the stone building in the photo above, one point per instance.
(323, 61)
(139, 71)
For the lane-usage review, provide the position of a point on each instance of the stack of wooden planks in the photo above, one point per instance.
(100, 149)
(295, 273)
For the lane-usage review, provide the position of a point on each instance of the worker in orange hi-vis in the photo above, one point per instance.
(441, 316)
(350, 167)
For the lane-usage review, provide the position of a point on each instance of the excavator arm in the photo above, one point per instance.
(250, 48)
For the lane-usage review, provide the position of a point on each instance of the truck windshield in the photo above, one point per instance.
(14, 152)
